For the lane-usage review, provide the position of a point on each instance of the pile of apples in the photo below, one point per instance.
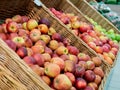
(48, 54)
(94, 36)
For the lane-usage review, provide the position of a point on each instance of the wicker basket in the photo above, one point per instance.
(12, 61)
(91, 12)
(68, 7)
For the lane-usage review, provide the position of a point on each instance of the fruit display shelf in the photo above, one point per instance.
(14, 55)
(94, 14)
(77, 23)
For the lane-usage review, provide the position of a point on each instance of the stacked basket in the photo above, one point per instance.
(12, 67)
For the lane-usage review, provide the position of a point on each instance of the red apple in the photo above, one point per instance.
(88, 88)
(62, 50)
(72, 50)
(3, 36)
(57, 36)
(17, 18)
(32, 24)
(92, 45)
(35, 35)
(82, 64)
(99, 49)
(29, 60)
(89, 76)
(53, 44)
(39, 59)
(64, 57)
(90, 65)
(97, 61)
(37, 49)
(29, 51)
(79, 70)
(76, 32)
(66, 41)
(12, 27)
(45, 38)
(40, 42)
(83, 57)
(48, 50)
(4, 28)
(46, 79)
(11, 44)
(83, 27)
(80, 83)
(99, 71)
(71, 77)
(69, 66)
(73, 58)
(93, 85)
(12, 35)
(28, 42)
(47, 57)
(22, 52)
(24, 19)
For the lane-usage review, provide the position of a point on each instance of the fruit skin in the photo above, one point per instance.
(11, 44)
(97, 79)
(90, 65)
(35, 35)
(92, 45)
(99, 49)
(82, 64)
(24, 25)
(93, 85)
(19, 41)
(52, 70)
(7, 20)
(47, 57)
(89, 76)
(53, 44)
(97, 61)
(73, 50)
(22, 52)
(64, 57)
(57, 36)
(48, 50)
(28, 43)
(83, 57)
(71, 77)
(46, 79)
(88, 88)
(51, 31)
(44, 21)
(40, 42)
(29, 60)
(79, 70)
(43, 28)
(17, 18)
(62, 82)
(38, 70)
(37, 49)
(12, 35)
(3, 36)
(80, 83)
(99, 71)
(29, 51)
(62, 50)
(31, 24)
(12, 27)
(45, 38)
(73, 58)
(60, 62)
(39, 59)
(69, 66)
(24, 19)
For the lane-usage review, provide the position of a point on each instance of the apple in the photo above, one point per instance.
(83, 27)
(99, 49)
(73, 88)
(69, 66)
(12, 27)
(92, 45)
(107, 58)
(24, 25)
(46, 79)
(51, 31)
(73, 58)
(75, 32)
(32, 24)
(46, 57)
(29, 51)
(28, 42)
(11, 44)
(48, 50)
(97, 61)
(99, 71)
(62, 50)
(29, 60)
(12, 35)
(73, 50)
(4, 27)
(57, 36)
(44, 21)
(39, 59)
(38, 49)
(93, 85)
(40, 42)
(7, 20)
(82, 64)
(22, 32)
(86, 38)
(89, 76)
(80, 83)
(88, 88)
(111, 55)
(71, 77)
(43, 28)
(35, 35)
(45, 38)
(62, 82)
(92, 33)
(97, 79)
(17, 18)
(22, 52)
(3, 36)
(24, 19)
(1, 29)
(114, 50)
(90, 65)
(66, 41)
(38, 70)
(79, 70)
(64, 57)
(53, 44)
(75, 24)
(52, 70)
(83, 57)
(60, 62)
(104, 39)
(19, 41)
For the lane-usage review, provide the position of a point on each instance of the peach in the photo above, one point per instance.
(52, 70)
(62, 82)
(60, 62)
